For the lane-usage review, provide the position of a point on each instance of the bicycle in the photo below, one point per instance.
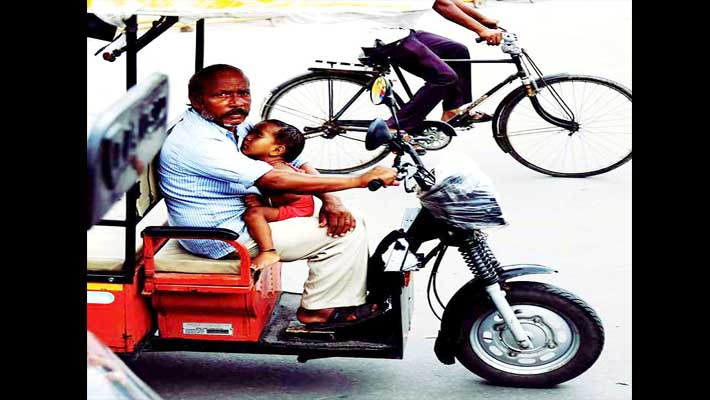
(573, 125)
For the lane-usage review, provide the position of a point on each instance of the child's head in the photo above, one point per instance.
(273, 139)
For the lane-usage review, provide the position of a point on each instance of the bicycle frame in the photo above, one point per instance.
(530, 88)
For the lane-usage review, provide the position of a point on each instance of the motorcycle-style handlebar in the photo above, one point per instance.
(376, 184)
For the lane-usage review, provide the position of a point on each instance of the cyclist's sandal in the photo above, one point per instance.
(466, 120)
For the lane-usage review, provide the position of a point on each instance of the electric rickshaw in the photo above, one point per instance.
(155, 296)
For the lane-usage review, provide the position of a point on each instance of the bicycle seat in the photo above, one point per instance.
(370, 57)
(367, 61)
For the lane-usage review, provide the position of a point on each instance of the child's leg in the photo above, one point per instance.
(257, 220)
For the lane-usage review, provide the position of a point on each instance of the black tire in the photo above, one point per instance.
(303, 102)
(559, 313)
(602, 108)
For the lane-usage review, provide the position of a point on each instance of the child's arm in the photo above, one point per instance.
(252, 200)
(284, 199)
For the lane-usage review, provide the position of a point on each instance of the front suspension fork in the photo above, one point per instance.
(570, 125)
(505, 310)
(485, 266)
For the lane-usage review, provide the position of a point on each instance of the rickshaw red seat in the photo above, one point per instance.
(195, 294)
(178, 267)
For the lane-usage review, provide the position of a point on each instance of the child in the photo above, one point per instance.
(276, 143)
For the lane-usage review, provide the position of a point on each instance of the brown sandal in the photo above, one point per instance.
(339, 318)
(466, 120)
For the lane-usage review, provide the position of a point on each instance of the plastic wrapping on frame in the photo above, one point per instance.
(464, 196)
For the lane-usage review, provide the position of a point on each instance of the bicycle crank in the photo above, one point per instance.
(434, 136)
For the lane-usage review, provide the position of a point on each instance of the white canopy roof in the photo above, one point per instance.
(304, 11)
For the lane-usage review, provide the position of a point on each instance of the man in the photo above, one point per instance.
(421, 54)
(204, 179)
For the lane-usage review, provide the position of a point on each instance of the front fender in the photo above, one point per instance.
(473, 290)
(500, 140)
(512, 271)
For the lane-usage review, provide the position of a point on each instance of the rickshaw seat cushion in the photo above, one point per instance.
(174, 258)
(105, 245)
(105, 248)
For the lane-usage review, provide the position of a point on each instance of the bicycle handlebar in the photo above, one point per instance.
(479, 40)
(500, 28)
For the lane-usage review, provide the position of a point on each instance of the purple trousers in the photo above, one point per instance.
(420, 54)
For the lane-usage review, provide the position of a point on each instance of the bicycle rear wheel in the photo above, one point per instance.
(603, 142)
(310, 102)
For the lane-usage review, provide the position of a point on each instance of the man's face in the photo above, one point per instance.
(260, 143)
(225, 99)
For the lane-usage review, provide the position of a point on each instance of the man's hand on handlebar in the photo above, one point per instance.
(491, 36)
(388, 176)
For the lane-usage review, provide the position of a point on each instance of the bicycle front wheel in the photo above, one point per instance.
(333, 110)
(601, 107)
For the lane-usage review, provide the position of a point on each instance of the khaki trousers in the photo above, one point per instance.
(337, 267)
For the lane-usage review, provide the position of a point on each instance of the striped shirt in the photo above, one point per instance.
(204, 178)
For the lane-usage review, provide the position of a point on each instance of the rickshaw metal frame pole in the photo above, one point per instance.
(129, 257)
(200, 45)
(133, 46)
(131, 51)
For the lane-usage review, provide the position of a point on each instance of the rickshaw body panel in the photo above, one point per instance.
(212, 307)
(118, 314)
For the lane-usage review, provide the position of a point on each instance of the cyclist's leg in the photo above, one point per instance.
(449, 49)
(417, 59)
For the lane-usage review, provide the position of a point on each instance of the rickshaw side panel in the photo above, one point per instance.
(117, 314)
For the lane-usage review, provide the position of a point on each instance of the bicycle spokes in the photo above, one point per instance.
(333, 112)
(601, 141)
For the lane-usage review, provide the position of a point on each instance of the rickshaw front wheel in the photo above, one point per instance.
(566, 334)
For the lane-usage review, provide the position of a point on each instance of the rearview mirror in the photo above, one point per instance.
(381, 92)
(378, 133)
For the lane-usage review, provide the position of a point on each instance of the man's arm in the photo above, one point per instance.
(339, 220)
(310, 170)
(278, 180)
(458, 12)
(473, 13)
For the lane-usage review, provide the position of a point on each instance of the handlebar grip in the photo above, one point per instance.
(375, 184)
(480, 39)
